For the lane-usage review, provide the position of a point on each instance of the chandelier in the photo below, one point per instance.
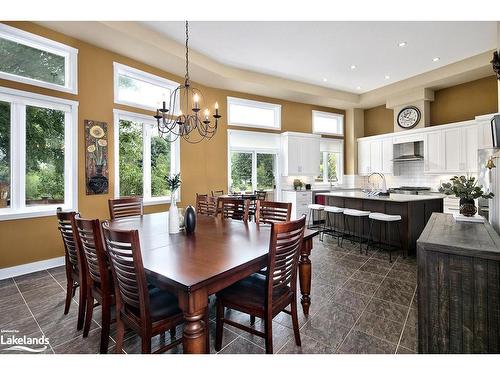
(188, 125)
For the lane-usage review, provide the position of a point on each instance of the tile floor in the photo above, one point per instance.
(360, 304)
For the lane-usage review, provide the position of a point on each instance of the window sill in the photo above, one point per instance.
(157, 201)
(29, 213)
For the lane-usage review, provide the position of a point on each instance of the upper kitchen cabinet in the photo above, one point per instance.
(375, 155)
(300, 154)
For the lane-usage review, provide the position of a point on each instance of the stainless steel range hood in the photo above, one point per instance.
(410, 151)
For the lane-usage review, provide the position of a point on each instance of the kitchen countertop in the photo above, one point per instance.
(391, 198)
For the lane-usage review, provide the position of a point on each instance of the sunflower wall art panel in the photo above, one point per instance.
(96, 157)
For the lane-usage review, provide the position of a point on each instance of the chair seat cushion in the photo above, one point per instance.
(352, 212)
(251, 292)
(316, 207)
(335, 210)
(162, 305)
(384, 217)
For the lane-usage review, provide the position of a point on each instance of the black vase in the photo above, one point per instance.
(467, 207)
(98, 183)
(190, 219)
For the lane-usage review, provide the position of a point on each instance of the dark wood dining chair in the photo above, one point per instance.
(126, 206)
(217, 193)
(234, 208)
(99, 279)
(260, 195)
(74, 263)
(147, 311)
(206, 205)
(266, 296)
(267, 212)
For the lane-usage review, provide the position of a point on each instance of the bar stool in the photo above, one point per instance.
(333, 230)
(312, 209)
(387, 220)
(360, 215)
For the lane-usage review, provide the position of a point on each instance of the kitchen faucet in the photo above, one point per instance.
(384, 185)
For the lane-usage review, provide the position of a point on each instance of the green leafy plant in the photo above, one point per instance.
(465, 188)
(297, 184)
(174, 182)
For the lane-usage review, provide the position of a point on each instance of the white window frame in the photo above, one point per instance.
(19, 100)
(254, 151)
(128, 71)
(330, 115)
(70, 55)
(255, 104)
(150, 123)
(324, 158)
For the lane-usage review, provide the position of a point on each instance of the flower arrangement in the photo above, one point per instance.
(174, 182)
(465, 188)
(96, 150)
(297, 184)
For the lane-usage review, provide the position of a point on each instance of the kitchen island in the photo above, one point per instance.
(415, 211)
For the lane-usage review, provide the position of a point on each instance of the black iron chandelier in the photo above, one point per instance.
(188, 125)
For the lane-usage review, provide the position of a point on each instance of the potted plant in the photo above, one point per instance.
(173, 182)
(467, 189)
(297, 184)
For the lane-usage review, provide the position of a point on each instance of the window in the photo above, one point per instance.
(38, 154)
(327, 123)
(331, 161)
(143, 159)
(253, 162)
(32, 59)
(250, 113)
(139, 89)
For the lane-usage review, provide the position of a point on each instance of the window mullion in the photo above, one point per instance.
(254, 171)
(18, 155)
(325, 167)
(146, 160)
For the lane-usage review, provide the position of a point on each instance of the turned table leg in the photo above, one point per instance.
(194, 306)
(305, 275)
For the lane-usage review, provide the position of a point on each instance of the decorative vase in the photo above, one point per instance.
(98, 183)
(467, 207)
(173, 217)
(190, 219)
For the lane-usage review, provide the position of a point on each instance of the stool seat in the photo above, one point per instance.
(352, 212)
(334, 209)
(384, 217)
(315, 206)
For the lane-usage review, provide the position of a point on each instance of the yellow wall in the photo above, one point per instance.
(379, 120)
(203, 166)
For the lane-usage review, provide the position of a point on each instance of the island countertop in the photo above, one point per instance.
(391, 198)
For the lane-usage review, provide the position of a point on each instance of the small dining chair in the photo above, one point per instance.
(217, 193)
(125, 207)
(99, 279)
(234, 208)
(74, 264)
(267, 296)
(206, 205)
(268, 212)
(147, 311)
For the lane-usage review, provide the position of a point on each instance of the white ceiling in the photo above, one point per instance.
(313, 51)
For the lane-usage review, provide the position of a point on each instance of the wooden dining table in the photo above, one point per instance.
(219, 253)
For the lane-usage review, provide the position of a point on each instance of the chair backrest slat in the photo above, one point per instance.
(66, 221)
(234, 208)
(217, 193)
(260, 195)
(206, 205)
(125, 207)
(284, 251)
(91, 242)
(124, 253)
(272, 212)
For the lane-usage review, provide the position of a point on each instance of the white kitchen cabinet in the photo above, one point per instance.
(300, 200)
(470, 147)
(364, 157)
(300, 154)
(484, 131)
(453, 150)
(387, 156)
(376, 156)
(433, 152)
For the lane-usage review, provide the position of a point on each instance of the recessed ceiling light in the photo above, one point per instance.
(387, 77)
(402, 44)
(435, 59)
(358, 88)
(325, 80)
(353, 67)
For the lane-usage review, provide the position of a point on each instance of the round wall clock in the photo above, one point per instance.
(408, 117)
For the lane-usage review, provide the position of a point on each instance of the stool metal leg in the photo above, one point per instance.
(390, 246)
(360, 236)
(370, 239)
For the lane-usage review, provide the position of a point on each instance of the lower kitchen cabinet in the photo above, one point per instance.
(300, 200)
